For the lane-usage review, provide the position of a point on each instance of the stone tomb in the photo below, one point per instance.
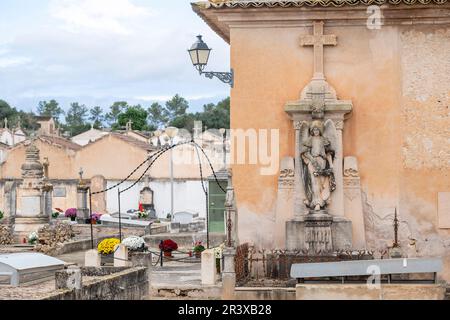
(20, 268)
(185, 221)
(318, 289)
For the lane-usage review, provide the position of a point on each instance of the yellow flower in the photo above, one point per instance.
(107, 246)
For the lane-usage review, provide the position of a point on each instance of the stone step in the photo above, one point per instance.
(186, 291)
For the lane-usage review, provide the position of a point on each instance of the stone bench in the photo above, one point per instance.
(366, 268)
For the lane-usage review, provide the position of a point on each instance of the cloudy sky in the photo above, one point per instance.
(100, 51)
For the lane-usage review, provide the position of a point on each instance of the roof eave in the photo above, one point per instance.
(204, 10)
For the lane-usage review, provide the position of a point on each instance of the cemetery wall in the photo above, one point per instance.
(129, 284)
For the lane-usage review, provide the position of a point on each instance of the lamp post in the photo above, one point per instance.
(199, 54)
(171, 133)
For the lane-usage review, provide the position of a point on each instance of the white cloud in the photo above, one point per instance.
(7, 62)
(168, 97)
(104, 16)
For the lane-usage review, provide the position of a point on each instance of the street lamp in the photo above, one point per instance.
(171, 134)
(199, 54)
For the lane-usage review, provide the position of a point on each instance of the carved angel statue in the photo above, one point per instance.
(317, 151)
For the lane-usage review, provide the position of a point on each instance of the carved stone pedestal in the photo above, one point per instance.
(310, 232)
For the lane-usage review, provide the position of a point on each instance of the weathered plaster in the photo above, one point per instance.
(426, 91)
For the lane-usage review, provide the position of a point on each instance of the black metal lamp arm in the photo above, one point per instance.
(226, 77)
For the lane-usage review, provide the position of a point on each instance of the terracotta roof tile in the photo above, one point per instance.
(310, 3)
(135, 142)
(60, 142)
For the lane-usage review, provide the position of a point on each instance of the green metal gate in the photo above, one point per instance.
(216, 206)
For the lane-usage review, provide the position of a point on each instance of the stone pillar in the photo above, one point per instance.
(299, 192)
(47, 200)
(83, 214)
(285, 200)
(231, 213)
(209, 269)
(98, 183)
(92, 258)
(121, 256)
(228, 274)
(9, 200)
(337, 200)
(353, 202)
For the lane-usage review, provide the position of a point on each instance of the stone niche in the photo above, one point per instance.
(319, 222)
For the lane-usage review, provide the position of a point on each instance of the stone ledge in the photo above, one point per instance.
(362, 292)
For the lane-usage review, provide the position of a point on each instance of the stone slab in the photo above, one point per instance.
(30, 206)
(362, 292)
(364, 267)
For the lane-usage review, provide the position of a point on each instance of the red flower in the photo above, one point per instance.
(168, 245)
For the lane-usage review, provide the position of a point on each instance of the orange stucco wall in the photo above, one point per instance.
(374, 69)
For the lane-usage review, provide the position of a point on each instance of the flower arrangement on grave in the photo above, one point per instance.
(168, 246)
(107, 246)
(134, 243)
(143, 214)
(198, 249)
(95, 218)
(218, 253)
(71, 213)
(33, 238)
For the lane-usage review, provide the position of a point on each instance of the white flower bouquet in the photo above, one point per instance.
(134, 243)
(33, 237)
(218, 251)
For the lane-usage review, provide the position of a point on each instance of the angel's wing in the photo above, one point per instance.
(330, 133)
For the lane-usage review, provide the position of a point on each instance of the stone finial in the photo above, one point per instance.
(32, 168)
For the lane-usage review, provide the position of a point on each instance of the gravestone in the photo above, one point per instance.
(92, 258)
(146, 199)
(209, 269)
(121, 256)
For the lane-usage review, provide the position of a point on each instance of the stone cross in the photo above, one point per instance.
(129, 125)
(318, 40)
(80, 173)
